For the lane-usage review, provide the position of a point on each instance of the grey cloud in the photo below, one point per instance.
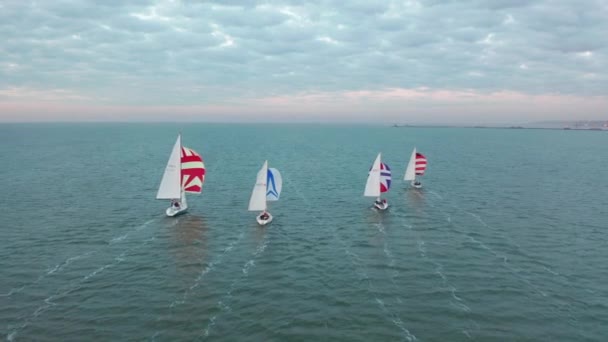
(150, 51)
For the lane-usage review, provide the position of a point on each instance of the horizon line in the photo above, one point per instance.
(370, 123)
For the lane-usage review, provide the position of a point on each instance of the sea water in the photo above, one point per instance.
(505, 241)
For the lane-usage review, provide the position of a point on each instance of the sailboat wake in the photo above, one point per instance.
(357, 268)
(224, 303)
(456, 300)
(387, 252)
(126, 235)
(206, 270)
(50, 301)
(516, 272)
(356, 262)
(58, 268)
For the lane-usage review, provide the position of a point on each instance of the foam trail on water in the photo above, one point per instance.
(505, 237)
(48, 302)
(505, 263)
(388, 253)
(358, 270)
(64, 264)
(483, 223)
(456, 301)
(224, 302)
(393, 318)
(16, 290)
(57, 268)
(435, 194)
(68, 261)
(396, 321)
(505, 260)
(497, 255)
(126, 235)
(210, 267)
(118, 239)
(550, 270)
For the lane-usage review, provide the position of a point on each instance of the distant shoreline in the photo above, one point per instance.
(504, 127)
(564, 128)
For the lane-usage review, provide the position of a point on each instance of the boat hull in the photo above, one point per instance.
(416, 185)
(263, 222)
(382, 206)
(172, 212)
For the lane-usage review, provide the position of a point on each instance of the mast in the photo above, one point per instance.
(266, 185)
(181, 193)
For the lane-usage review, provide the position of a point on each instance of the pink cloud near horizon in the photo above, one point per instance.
(416, 105)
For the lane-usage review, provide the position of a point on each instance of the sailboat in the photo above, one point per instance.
(267, 187)
(378, 181)
(185, 173)
(415, 167)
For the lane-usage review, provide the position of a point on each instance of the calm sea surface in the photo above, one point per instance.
(508, 239)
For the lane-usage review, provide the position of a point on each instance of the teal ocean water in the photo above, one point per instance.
(506, 241)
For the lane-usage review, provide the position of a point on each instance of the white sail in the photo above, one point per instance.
(171, 184)
(257, 201)
(372, 187)
(410, 172)
(274, 185)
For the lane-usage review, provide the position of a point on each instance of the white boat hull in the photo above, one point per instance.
(172, 211)
(381, 206)
(416, 185)
(263, 222)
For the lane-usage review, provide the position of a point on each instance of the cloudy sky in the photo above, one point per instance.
(416, 61)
